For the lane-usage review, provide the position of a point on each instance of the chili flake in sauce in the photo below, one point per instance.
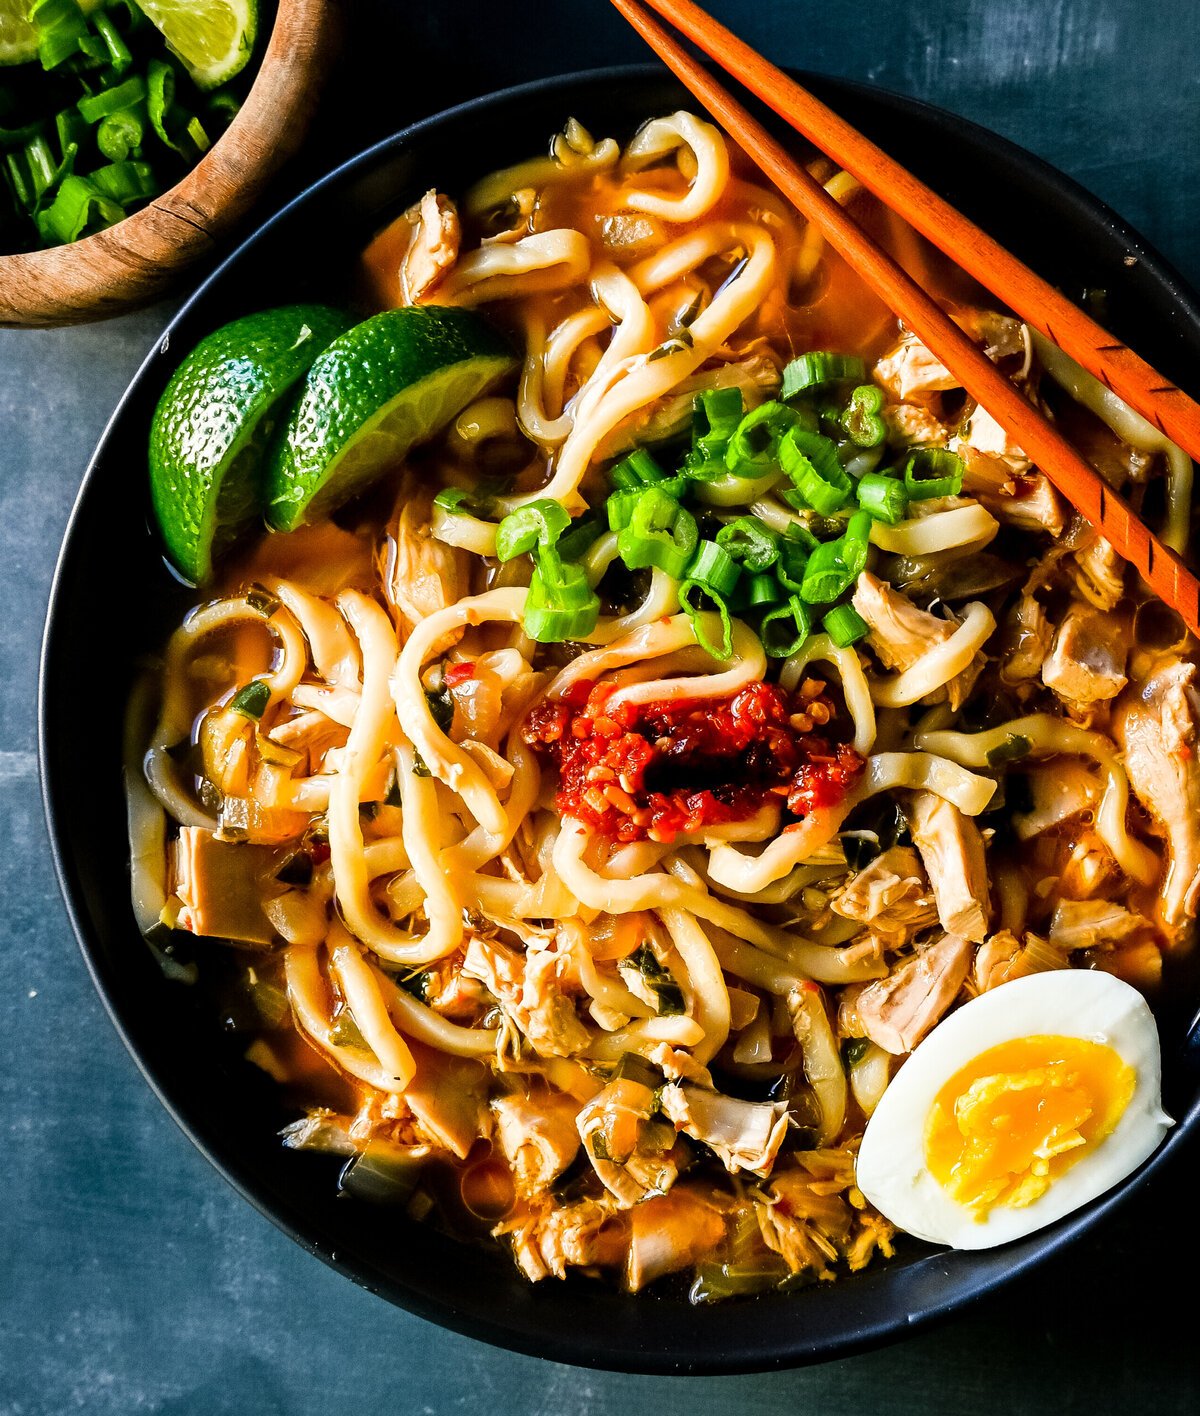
(658, 770)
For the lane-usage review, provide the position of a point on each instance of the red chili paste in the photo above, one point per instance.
(659, 770)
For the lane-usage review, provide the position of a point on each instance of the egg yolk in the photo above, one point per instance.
(1006, 1125)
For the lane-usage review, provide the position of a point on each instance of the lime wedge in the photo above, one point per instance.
(18, 38)
(214, 38)
(212, 426)
(391, 382)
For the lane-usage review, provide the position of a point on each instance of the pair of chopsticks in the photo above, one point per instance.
(1036, 302)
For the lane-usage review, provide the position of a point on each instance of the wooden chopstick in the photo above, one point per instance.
(1087, 491)
(1036, 301)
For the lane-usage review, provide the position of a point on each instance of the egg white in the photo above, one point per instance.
(892, 1170)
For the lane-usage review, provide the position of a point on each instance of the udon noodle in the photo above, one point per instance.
(608, 948)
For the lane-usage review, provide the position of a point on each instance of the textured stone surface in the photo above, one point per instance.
(132, 1279)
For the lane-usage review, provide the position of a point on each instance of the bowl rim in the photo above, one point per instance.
(136, 259)
(489, 1326)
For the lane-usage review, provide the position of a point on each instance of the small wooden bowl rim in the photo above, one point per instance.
(136, 260)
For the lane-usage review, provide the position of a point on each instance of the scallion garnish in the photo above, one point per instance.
(750, 542)
(659, 533)
(716, 415)
(835, 565)
(753, 448)
(884, 497)
(819, 370)
(811, 464)
(784, 630)
(714, 568)
(860, 420)
(933, 472)
(251, 699)
(561, 605)
(699, 599)
(845, 626)
(538, 523)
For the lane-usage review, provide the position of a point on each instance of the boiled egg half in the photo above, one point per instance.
(1021, 1106)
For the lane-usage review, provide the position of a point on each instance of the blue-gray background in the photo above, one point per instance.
(132, 1279)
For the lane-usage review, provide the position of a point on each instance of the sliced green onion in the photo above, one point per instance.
(572, 544)
(835, 565)
(785, 629)
(118, 51)
(120, 135)
(884, 497)
(811, 464)
(716, 414)
(819, 370)
(619, 509)
(70, 129)
(933, 472)
(195, 131)
(713, 567)
(60, 26)
(43, 169)
(660, 533)
(637, 470)
(751, 542)
(760, 590)
(861, 420)
(561, 605)
(65, 218)
(791, 565)
(125, 181)
(160, 95)
(753, 447)
(1014, 746)
(845, 626)
(693, 595)
(251, 699)
(538, 523)
(113, 100)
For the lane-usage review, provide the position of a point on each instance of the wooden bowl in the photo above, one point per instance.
(140, 258)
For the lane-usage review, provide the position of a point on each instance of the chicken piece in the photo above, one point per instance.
(218, 886)
(1099, 573)
(745, 1134)
(1061, 789)
(910, 370)
(952, 851)
(896, 1012)
(913, 425)
(890, 896)
(1090, 924)
(432, 247)
(805, 1224)
(1027, 636)
(680, 1066)
(547, 1239)
(1086, 663)
(420, 574)
(983, 434)
(1026, 500)
(538, 1137)
(1090, 870)
(669, 1233)
(1004, 957)
(901, 634)
(1155, 724)
(530, 989)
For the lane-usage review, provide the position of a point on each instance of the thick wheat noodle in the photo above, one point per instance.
(819, 648)
(707, 147)
(710, 995)
(939, 664)
(444, 759)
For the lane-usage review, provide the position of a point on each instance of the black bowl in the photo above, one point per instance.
(110, 574)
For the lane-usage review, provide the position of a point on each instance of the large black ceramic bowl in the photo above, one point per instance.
(113, 601)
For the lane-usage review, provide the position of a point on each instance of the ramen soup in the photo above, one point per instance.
(604, 817)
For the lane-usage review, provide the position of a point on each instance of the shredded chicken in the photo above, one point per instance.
(913, 425)
(1004, 957)
(1087, 924)
(1155, 724)
(548, 1238)
(896, 1012)
(952, 851)
(1086, 663)
(1099, 573)
(901, 634)
(529, 989)
(910, 370)
(1026, 500)
(745, 1134)
(891, 896)
(422, 575)
(1027, 636)
(447, 1096)
(633, 1155)
(538, 1137)
(984, 435)
(432, 247)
